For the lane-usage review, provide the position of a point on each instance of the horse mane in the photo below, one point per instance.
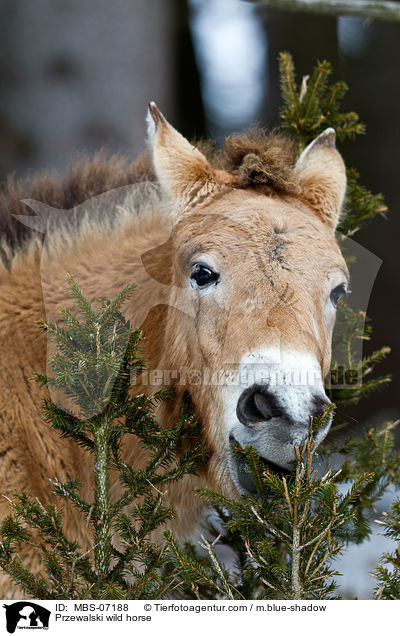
(255, 159)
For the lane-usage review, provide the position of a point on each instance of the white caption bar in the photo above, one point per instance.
(177, 617)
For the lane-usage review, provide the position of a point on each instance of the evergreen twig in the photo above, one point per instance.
(96, 358)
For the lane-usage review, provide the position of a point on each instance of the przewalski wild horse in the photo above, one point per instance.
(237, 268)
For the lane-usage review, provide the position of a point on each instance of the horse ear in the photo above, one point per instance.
(177, 163)
(322, 176)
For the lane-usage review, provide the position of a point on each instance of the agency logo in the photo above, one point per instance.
(26, 615)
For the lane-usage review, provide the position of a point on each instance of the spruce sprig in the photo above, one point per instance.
(360, 206)
(97, 356)
(351, 327)
(307, 111)
(313, 106)
(387, 573)
(372, 452)
(286, 534)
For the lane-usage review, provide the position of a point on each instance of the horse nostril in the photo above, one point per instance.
(256, 404)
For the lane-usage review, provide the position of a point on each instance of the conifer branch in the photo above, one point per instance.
(387, 573)
(96, 358)
(289, 531)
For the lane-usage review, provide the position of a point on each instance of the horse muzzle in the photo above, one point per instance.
(264, 423)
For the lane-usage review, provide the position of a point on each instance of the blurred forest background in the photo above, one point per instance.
(76, 76)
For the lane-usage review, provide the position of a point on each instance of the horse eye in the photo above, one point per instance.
(203, 276)
(337, 293)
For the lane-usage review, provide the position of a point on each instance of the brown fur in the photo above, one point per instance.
(85, 179)
(252, 159)
(262, 248)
